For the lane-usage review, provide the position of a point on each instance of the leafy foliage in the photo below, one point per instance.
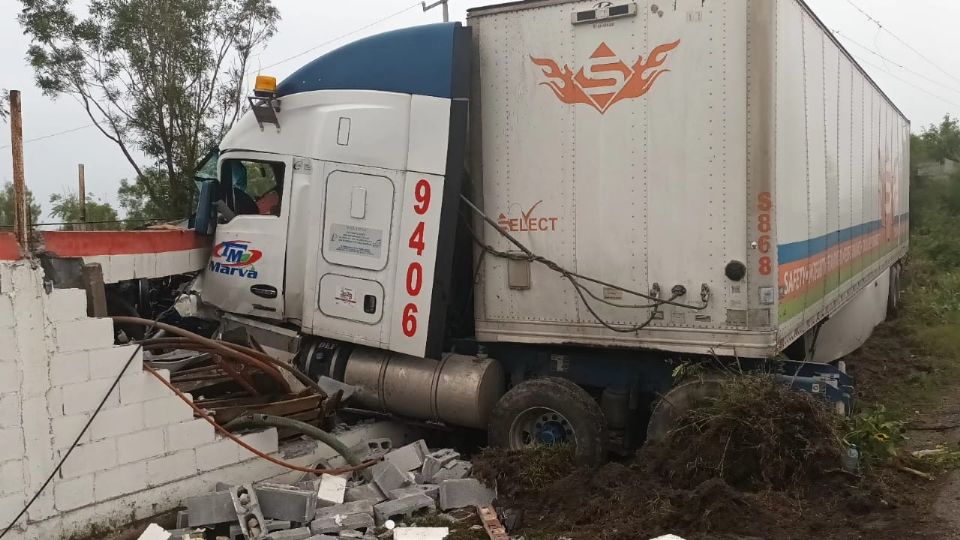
(66, 207)
(142, 198)
(876, 435)
(7, 206)
(165, 77)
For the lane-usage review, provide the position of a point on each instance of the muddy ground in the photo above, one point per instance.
(547, 497)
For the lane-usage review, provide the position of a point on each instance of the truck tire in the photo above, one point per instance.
(893, 297)
(549, 411)
(678, 402)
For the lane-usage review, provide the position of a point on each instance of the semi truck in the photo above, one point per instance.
(525, 224)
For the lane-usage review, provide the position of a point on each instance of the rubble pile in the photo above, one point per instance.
(374, 504)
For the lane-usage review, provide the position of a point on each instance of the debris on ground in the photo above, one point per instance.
(391, 499)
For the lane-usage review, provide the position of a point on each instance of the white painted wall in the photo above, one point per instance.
(144, 452)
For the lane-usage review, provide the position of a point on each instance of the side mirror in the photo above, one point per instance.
(206, 220)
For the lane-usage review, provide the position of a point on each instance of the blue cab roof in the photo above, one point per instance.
(418, 60)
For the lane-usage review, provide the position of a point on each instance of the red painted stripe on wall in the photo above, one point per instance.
(88, 244)
(9, 248)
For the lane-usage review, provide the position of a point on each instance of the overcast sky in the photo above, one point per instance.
(924, 89)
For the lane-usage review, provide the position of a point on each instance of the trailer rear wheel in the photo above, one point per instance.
(678, 402)
(547, 412)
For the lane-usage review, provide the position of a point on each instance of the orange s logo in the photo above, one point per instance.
(605, 79)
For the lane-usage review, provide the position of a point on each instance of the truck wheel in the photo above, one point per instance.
(893, 297)
(547, 412)
(677, 403)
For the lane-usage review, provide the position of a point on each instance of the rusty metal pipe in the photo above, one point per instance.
(207, 342)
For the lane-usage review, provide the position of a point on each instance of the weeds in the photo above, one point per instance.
(876, 435)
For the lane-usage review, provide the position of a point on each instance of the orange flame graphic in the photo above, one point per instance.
(581, 88)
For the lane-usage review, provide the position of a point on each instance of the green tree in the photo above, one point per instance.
(66, 208)
(165, 77)
(7, 206)
(4, 99)
(137, 201)
(940, 141)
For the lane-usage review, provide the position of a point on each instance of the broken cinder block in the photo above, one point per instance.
(409, 457)
(300, 533)
(388, 477)
(464, 493)
(402, 507)
(454, 470)
(331, 490)
(430, 490)
(282, 502)
(365, 492)
(355, 507)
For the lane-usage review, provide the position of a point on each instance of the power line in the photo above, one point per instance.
(51, 135)
(888, 60)
(341, 36)
(905, 81)
(907, 45)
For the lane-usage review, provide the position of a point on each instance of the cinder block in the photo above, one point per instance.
(190, 434)
(11, 477)
(210, 509)
(65, 305)
(454, 470)
(6, 312)
(66, 428)
(421, 533)
(166, 411)
(69, 368)
(213, 456)
(84, 397)
(356, 521)
(72, 493)
(10, 506)
(10, 352)
(139, 386)
(90, 457)
(465, 492)
(139, 446)
(55, 401)
(402, 507)
(345, 509)
(265, 441)
(331, 490)
(9, 377)
(300, 533)
(120, 480)
(107, 363)
(327, 524)
(430, 490)
(166, 469)
(119, 421)
(366, 492)
(278, 501)
(145, 265)
(83, 334)
(388, 477)
(9, 409)
(11, 443)
(409, 457)
(118, 268)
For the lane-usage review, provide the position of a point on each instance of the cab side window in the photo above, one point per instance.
(252, 187)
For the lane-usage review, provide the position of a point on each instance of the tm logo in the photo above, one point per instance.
(605, 79)
(235, 258)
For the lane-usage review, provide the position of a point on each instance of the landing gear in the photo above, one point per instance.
(893, 298)
(547, 412)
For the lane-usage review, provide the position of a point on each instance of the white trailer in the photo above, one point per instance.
(648, 183)
(731, 148)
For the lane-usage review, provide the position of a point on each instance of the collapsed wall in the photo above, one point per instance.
(143, 453)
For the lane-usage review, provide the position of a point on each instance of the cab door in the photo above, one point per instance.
(245, 274)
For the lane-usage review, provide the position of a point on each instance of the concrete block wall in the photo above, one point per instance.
(56, 365)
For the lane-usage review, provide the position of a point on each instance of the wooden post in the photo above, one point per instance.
(82, 200)
(96, 293)
(21, 223)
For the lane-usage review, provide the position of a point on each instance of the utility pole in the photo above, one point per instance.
(82, 199)
(21, 222)
(446, 11)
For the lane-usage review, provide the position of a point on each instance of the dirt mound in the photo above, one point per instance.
(755, 434)
(757, 461)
